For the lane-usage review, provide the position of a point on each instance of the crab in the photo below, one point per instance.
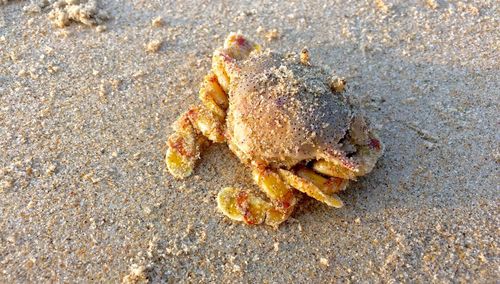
(286, 119)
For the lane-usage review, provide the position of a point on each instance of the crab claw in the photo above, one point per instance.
(369, 154)
(368, 150)
(368, 145)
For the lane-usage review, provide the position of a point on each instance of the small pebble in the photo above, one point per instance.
(324, 262)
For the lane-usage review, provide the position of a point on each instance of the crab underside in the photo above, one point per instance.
(284, 117)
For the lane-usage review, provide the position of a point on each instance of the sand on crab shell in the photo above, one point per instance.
(84, 195)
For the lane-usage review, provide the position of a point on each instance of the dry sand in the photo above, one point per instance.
(84, 115)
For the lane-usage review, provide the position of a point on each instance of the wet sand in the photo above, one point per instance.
(85, 113)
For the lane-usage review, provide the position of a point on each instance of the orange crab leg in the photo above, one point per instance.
(335, 168)
(207, 119)
(248, 207)
(184, 147)
(309, 188)
(244, 206)
(327, 185)
(219, 62)
(282, 196)
(212, 95)
(207, 122)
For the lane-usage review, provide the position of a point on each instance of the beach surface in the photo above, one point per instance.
(85, 111)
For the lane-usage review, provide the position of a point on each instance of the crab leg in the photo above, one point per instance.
(335, 168)
(329, 186)
(248, 207)
(310, 188)
(184, 147)
(206, 120)
(280, 193)
(192, 132)
(241, 205)
(212, 95)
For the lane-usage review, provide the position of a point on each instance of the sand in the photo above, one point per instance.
(85, 113)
